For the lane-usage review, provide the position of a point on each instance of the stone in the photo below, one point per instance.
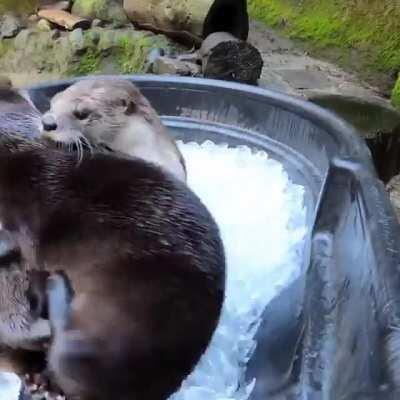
(98, 23)
(65, 19)
(56, 5)
(169, 15)
(5, 82)
(107, 10)
(55, 34)
(44, 25)
(33, 18)
(25, 7)
(77, 40)
(22, 38)
(10, 26)
(305, 79)
(172, 66)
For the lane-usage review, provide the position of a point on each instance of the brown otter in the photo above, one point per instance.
(112, 112)
(17, 113)
(142, 253)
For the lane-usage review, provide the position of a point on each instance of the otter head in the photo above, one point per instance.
(23, 310)
(111, 113)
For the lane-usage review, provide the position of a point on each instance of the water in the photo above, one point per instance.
(262, 222)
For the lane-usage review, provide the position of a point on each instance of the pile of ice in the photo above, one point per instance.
(261, 216)
(10, 386)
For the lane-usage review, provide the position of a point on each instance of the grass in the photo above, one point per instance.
(396, 94)
(367, 25)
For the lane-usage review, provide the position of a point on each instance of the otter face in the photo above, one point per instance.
(111, 113)
(94, 109)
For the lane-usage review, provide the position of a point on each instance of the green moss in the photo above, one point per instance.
(396, 94)
(19, 6)
(132, 52)
(104, 9)
(5, 46)
(88, 63)
(373, 25)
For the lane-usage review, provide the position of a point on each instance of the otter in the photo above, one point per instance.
(17, 113)
(112, 112)
(143, 256)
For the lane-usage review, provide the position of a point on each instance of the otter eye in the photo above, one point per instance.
(81, 114)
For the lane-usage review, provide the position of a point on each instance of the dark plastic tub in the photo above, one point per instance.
(323, 337)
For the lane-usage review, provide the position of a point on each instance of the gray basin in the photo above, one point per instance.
(322, 338)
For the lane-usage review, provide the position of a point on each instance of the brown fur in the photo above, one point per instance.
(18, 114)
(144, 258)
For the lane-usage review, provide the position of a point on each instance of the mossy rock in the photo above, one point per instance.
(363, 36)
(106, 10)
(19, 6)
(78, 53)
(396, 94)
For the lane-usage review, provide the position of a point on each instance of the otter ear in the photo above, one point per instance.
(130, 106)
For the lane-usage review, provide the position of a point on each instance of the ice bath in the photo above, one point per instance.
(262, 221)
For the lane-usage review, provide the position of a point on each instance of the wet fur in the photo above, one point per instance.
(18, 114)
(143, 256)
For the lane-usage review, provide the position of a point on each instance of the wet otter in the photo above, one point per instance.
(112, 112)
(17, 113)
(144, 258)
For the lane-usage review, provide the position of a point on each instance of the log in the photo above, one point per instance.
(189, 21)
(228, 58)
(64, 19)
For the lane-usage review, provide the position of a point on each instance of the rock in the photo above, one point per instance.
(33, 18)
(175, 18)
(98, 23)
(65, 19)
(44, 25)
(25, 7)
(189, 21)
(58, 5)
(107, 10)
(5, 82)
(171, 66)
(10, 26)
(77, 40)
(55, 34)
(22, 38)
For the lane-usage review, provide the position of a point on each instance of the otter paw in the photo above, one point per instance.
(59, 297)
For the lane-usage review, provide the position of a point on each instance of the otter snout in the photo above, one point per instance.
(49, 122)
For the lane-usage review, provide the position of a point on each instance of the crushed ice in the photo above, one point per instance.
(262, 222)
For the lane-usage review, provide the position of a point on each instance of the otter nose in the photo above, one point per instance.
(49, 123)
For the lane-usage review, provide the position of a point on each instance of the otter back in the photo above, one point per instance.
(144, 259)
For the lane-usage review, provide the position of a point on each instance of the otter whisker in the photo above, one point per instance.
(79, 150)
(86, 144)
